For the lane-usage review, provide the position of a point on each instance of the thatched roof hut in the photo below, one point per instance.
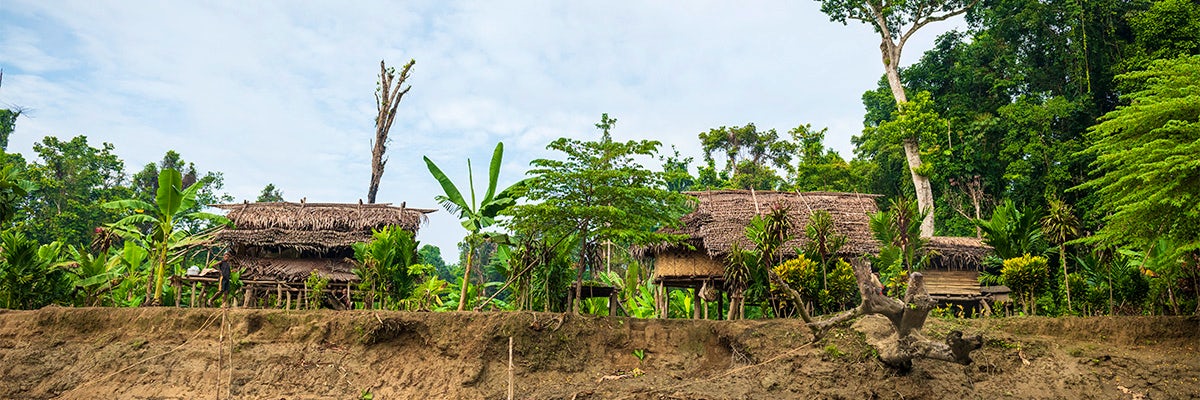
(721, 217)
(284, 241)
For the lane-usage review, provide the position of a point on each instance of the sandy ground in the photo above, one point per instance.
(168, 353)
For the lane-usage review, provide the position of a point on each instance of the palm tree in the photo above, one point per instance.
(167, 244)
(475, 216)
(1060, 226)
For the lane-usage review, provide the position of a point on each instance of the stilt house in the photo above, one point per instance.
(278, 245)
(721, 217)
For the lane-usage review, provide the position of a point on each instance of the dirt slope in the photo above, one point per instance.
(166, 353)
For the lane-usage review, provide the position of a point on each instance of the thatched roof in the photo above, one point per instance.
(957, 252)
(293, 269)
(721, 218)
(323, 216)
(313, 226)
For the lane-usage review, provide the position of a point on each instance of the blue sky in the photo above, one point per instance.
(282, 92)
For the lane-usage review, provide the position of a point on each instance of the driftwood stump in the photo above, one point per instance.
(904, 342)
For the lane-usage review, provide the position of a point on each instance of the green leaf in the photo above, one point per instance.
(453, 197)
(494, 172)
(169, 196)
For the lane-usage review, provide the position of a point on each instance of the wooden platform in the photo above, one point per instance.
(952, 284)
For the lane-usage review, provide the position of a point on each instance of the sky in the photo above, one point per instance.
(282, 92)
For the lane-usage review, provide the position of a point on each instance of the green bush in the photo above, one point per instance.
(804, 275)
(1026, 276)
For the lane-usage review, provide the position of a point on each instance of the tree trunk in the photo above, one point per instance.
(466, 281)
(387, 99)
(900, 340)
(912, 150)
(1062, 259)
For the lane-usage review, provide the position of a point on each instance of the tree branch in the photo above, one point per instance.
(919, 22)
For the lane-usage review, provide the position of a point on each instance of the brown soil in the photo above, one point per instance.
(166, 353)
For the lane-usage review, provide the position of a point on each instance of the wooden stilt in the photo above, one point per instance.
(720, 306)
(278, 294)
(612, 303)
(696, 304)
(288, 305)
(178, 293)
(192, 304)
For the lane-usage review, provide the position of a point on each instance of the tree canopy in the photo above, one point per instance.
(1148, 172)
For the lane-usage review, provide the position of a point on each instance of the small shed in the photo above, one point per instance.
(278, 245)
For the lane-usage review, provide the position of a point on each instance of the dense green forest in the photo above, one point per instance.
(1065, 134)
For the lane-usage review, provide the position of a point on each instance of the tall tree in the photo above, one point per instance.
(475, 215)
(8, 119)
(1147, 174)
(819, 167)
(387, 98)
(72, 178)
(270, 194)
(750, 154)
(896, 22)
(597, 193)
(145, 182)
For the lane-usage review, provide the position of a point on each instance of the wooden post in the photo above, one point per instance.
(510, 368)
(178, 291)
(288, 305)
(612, 303)
(571, 298)
(720, 306)
(278, 294)
(248, 302)
(192, 304)
(696, 304)
(664, 301)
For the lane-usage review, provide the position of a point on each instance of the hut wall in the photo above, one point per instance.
(687, 265)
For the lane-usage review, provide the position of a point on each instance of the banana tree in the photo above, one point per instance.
(94, 274)
(475, 216)
(167, 244)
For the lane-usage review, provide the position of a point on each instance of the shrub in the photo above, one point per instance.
(1026, 275)
(804, 275)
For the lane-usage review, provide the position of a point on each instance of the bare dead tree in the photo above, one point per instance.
(387, 98)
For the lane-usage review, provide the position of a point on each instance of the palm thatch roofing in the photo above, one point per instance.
(294, 269)
(963, 253)
(317, 227)
(721, 218)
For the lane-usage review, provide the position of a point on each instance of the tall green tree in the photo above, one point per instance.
(145, 182)
(270, 194)
(598, 193)
(72, 179)
(1147, 173)
(475, 215)
(750, 154)
(896, 22)
(820, 168)
(168, 243)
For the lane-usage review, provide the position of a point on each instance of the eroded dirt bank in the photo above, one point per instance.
(167, 353)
